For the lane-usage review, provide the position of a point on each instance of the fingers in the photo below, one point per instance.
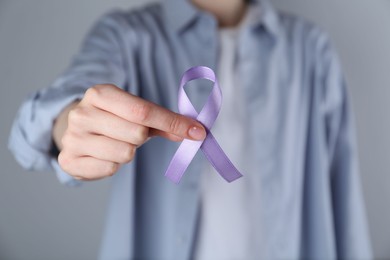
(95, 121)
(105, 128)
(87, 168)
(97, 142)
(99, 147)
(91, 157)
(140, 111)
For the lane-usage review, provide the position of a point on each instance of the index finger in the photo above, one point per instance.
(137, 110)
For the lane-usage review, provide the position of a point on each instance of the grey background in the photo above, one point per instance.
(40, 219)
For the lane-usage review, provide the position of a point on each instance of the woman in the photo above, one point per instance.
(285, 122)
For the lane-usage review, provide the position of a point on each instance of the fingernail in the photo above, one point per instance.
(197, 133)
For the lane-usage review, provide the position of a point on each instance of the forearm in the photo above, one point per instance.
(61, 123)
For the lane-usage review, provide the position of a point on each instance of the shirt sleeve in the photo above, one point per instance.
(99, 61)
(351, 231)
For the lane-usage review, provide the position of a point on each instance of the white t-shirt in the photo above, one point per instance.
(229, 219)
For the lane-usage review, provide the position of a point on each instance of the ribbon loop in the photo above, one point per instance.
(207, 116)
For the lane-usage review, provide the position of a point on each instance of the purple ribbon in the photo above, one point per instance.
(207, 116)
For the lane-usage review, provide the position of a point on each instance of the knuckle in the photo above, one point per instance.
(91, 93)
(174, 124)
(141, 111)
(77, 116)
(128, 153)
(64, 162)
(71, 140)
(61, 159)
(97, 91)
(141, 134)
(66, 139)
(111, 169)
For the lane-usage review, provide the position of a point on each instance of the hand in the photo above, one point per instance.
(107, 126)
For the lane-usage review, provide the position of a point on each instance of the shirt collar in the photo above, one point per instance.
(181, 13)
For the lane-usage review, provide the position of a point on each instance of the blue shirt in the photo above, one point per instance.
(300, 120)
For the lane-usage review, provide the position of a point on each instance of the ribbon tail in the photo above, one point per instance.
(182, 159)
(219, 159)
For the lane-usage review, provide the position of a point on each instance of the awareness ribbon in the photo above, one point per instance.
(207, 116)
